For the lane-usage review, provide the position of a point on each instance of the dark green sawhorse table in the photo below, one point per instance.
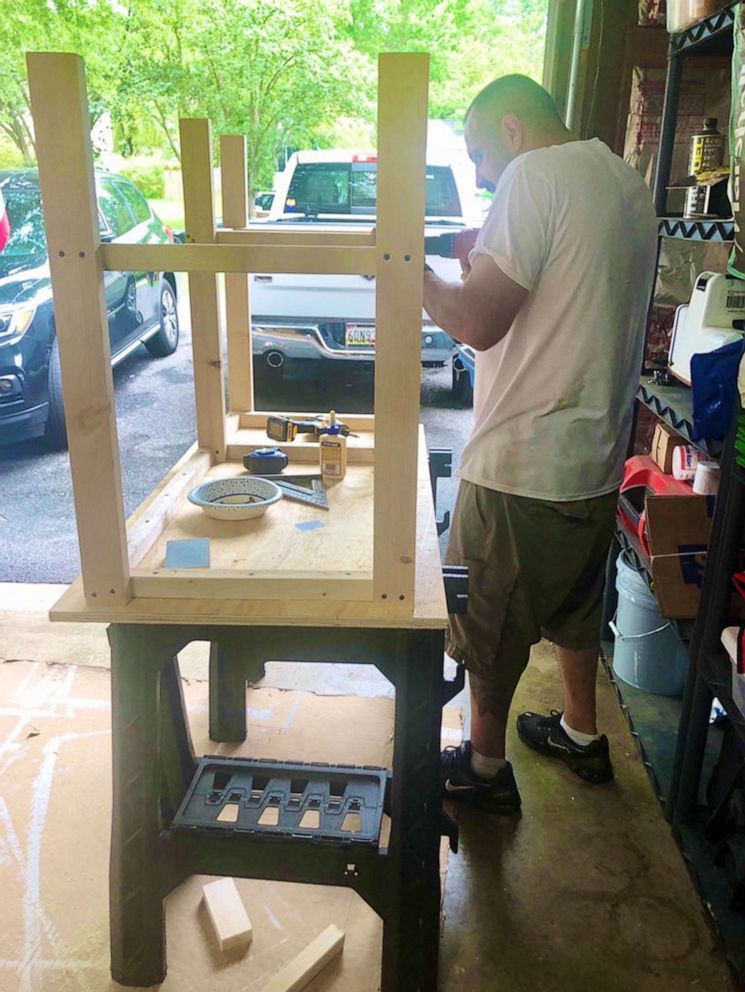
(154, 764)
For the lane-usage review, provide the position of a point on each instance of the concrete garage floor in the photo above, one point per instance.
(586, 892)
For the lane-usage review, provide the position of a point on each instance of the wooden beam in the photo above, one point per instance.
(62, 128)
(296, 235)
(302, 969)
(199, 211)
(237, 300)
(152, 517)
(354, 421)
(297, 451)
(211, 258)
(402, 139)
(212, 583)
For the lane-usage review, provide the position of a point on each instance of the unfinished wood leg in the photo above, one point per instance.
(62, 128)
(237, 303)
(402, 133)
(199, 216)
(137, 920)
(411, 928)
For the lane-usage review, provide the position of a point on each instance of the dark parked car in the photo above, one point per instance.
(141, 306)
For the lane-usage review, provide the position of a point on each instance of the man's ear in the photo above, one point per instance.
(514, 135)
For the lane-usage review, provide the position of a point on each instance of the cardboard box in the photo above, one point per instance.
(652, 13)
(664, 442)
(659, 336)
(705, 92)
(682, 14)
(678, 532)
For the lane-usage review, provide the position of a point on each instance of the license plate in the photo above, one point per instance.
(357, 336)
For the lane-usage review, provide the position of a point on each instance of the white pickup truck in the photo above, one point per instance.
(332, 317)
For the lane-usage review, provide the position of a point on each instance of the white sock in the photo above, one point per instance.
(575, 735)
(486, 767)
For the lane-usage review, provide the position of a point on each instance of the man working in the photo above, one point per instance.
(553, 300)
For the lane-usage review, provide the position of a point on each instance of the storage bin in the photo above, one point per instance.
(681, 14)
(647, 652)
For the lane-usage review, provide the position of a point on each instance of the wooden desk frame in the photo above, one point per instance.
(110, 548)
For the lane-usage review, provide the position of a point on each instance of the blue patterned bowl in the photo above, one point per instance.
(235, 499)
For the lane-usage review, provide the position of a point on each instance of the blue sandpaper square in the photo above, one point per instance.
(191, 553)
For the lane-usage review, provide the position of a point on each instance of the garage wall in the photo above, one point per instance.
(614, 44)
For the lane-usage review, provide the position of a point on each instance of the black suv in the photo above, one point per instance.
(141, 306)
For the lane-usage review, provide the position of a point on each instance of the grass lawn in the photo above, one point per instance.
(171, 212)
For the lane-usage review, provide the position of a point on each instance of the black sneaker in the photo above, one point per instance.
(545, 734)
(494, 795)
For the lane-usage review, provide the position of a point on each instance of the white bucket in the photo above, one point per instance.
(647, 652)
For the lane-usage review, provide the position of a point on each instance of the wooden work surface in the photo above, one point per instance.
(278, 540)
(351, 546)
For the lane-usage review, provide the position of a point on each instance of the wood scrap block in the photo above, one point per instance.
(309, 962)
(227, 914)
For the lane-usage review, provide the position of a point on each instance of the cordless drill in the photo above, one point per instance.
(452, 244)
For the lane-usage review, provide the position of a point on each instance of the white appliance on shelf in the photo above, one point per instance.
(714, 317)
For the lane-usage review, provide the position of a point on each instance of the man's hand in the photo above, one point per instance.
(464, 242)
(480, 311)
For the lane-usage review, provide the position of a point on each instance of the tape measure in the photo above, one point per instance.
(265, 461)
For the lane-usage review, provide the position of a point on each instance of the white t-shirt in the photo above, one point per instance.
(575, 226)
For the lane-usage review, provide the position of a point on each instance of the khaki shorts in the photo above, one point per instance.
(536, 569)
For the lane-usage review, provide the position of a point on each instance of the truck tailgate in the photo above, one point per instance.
(326, 297)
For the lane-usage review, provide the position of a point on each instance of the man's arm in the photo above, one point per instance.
(480, 310)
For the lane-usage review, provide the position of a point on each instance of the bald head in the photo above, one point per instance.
(518, 95)
(512, 115)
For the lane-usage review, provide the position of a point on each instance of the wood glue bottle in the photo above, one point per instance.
(333, 451)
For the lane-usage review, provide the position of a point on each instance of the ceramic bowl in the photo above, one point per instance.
(235, 499)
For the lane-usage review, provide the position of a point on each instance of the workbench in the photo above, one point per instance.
(154, 763)
(364, 584)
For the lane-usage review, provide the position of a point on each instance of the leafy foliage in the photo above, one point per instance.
(147, 175)
(90, 27)
(286, 73)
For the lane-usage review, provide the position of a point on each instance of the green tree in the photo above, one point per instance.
(470, 41)
(281, 72)
(89, 27)
(286, 73)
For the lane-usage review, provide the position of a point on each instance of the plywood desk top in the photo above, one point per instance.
(279, 539)
(274, 542)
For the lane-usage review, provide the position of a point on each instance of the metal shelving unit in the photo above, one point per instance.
(710, 676)
(711, 36)
(709, 229)
(710, 669)
(674, 406)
